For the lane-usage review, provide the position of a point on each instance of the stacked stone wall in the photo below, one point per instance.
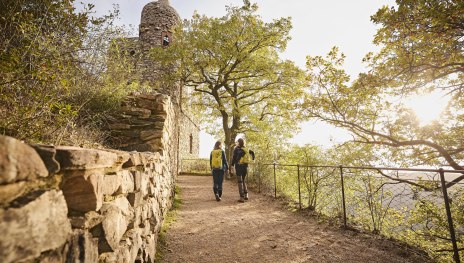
(70, 204)
(148, 122)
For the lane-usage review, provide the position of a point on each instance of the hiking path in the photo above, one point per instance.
(263, 230)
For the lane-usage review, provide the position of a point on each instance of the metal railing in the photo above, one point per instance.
(422, 207)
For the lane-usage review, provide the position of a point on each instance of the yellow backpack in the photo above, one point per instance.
(216, 159)
(246, 158)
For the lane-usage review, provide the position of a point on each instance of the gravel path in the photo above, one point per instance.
(261, 230)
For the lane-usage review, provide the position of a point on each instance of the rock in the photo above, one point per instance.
(75, 158)
(135, 199)
(35, 224)
(156, 217)
(127, 182)
(144, 183)
(145, 228)
(82, 247)
(150, 247)
(122, 157)
(119, 126)
(139, 112)
(117, 216)
(133, 240)
(19, 162)
(48, 153)
(146, 103)
(112, 183)
(9, 192)
(88, 221)
(144, 147)
(108, 257)
(150, 97)
(124, 255)
(150, 134)
(84, 193)
(137, 180)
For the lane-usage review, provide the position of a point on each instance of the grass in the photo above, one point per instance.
(170, 218)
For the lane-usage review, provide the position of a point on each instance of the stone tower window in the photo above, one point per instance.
(166, 38)
(191, 144)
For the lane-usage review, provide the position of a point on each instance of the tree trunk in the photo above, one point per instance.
(229, 140)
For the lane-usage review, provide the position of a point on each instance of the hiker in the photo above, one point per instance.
(240, 159)
(218, 164)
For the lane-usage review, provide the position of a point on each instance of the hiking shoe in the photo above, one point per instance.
(246, 197)
(241, 200)
(217, 197)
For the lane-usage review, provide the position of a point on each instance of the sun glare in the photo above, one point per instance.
(427, 107)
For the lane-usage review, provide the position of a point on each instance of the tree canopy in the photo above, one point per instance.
(232, 65)
(422, 50)
(422, 45)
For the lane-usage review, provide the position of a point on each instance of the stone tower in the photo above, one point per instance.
(157, 20)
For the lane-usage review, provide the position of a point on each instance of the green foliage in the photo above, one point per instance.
(422, 44)
(371, 200)
(238, 83)
(426, 225)
(422, 51)
(406, 207)
(56, 85)
(38, 44)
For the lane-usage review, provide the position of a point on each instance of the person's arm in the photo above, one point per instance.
(224, 160)
(252, 154)
(234, 157)
(211, 160)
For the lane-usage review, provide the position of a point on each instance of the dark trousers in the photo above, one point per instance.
(218, 178)
(241, 171)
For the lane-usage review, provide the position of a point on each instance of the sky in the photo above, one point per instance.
(318, 25)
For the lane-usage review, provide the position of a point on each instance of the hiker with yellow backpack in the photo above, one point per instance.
(240, 159)
(218, 164)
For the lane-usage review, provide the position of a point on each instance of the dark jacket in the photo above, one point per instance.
(239, 153)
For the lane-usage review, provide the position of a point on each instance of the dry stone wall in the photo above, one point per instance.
(147, 122)
(70, 204)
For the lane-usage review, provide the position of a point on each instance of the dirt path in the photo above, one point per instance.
(260, 230)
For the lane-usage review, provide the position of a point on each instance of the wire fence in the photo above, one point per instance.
(421, 207)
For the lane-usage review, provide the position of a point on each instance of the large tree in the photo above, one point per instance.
(422, 50)
(240, 85)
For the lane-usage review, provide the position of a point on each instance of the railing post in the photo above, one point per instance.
(275, 181)
(299, 186)
(343, 196)
(448, 214)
